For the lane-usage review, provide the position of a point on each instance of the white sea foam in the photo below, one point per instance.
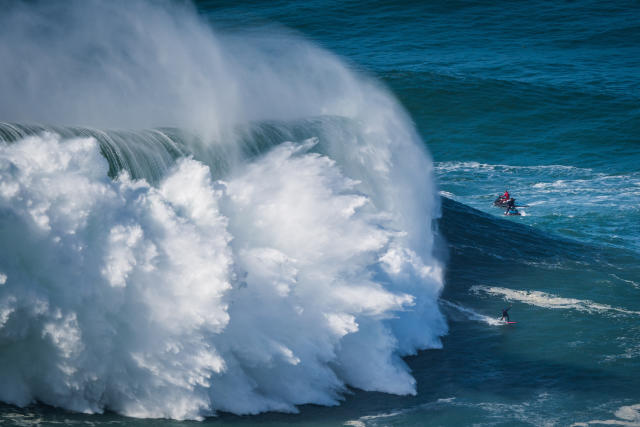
(485, 167)
(631, 282)
(625, 416)
(546, 300)
(447, 194)
(298, 275)
(252, 294)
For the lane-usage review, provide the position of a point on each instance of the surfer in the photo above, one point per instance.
(505, 315)
(511, 205)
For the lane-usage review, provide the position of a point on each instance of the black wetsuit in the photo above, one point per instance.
(511, 204)
(505, 315)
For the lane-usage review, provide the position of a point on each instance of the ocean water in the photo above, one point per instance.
(276, 213)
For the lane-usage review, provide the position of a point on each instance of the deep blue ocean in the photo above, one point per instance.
(539, 97)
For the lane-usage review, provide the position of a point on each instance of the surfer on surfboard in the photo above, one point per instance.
(505, 315)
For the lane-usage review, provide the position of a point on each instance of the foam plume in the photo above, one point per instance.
(300, 269)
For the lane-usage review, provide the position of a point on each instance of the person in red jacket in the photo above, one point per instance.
(505, 196)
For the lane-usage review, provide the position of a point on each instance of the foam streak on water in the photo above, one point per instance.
(546, 300)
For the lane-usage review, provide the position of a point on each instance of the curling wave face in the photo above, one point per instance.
(219, 272)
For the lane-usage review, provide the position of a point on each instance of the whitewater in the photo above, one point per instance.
(196, 221)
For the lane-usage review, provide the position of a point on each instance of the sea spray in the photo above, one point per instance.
(301, 266)
(236, 295)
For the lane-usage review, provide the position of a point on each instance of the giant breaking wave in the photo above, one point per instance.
(257, 235)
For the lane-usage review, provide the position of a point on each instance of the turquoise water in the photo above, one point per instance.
(540, 98)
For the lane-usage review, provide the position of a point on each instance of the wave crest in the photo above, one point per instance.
(238, 269)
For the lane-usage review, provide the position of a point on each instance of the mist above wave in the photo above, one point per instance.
(147, 64)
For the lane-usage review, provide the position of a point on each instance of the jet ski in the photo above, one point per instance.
(500, 202)
(513, 211)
